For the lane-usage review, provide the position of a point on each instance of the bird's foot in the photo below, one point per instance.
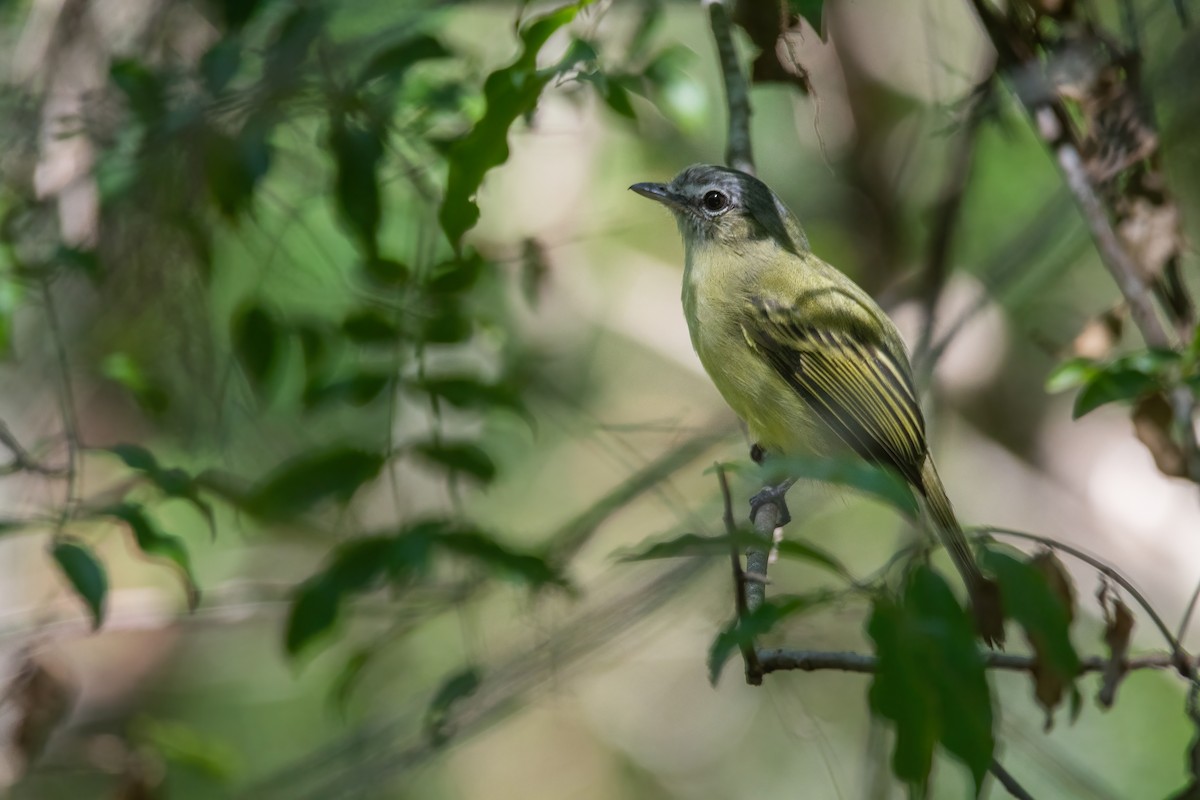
(773, 495)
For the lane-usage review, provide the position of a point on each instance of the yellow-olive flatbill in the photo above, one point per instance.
(803, 355)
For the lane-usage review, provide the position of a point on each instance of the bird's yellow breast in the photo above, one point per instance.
(715, 306)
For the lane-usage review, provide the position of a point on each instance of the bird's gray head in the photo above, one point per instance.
(718, 205)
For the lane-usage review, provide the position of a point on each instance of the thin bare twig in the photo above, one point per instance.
(739, 153)
(66, 399)
(1053, 123)
(778, 660)
(23, 460)
(946, 217)
(1009, 783)
(1183, 661)
(1116, 259)
(1187, 613)
(740, 586)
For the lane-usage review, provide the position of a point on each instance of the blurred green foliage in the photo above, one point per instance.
(293, 283)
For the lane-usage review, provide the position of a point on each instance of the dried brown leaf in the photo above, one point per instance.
(1058, 579)
(1049, 685)
(1100, 335)
(1150, 229)
(1152, 423)
(40, 695)
(1118, 627)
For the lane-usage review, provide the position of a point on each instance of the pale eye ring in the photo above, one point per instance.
(715, 201)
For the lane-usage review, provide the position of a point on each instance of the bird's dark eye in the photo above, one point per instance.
(716, 201)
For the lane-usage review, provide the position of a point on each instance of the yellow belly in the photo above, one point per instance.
(779, 420)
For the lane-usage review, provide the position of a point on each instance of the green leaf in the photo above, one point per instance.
(454, 689)
(747, 629)
(510, 93)
(457, 274)
(1111, 385)
(616, 97)
(288, 49)
(359, 389)
(237, 13)
(86, 574)
(369, 326)
(1070, 374)
(459, 457)
(812, 11)
(392, 62)
(135, 457)
(171, 482)
(1155, 361)
(314, 611)
(357, 151)
(447, 325)
(695, 544)
(315, 345)
(354, 567)
(692, 544)
(482, 548)
(303, 482)
(256, 341)
(806, 551)
(930, 680)
(124, 370)
(853, 473)
(234, 166)
(142, 88)
(349, 675)
(185, 746)
(220, 64)
(468, 392)
(1029, 599)
(387, 271)
(153, 542)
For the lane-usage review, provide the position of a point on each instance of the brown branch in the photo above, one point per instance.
(739, 152)
(1053, 124)
(765, 520)
(1116, 259)
(740, 586)
(778, 660)
(23, 460)
(739, 155)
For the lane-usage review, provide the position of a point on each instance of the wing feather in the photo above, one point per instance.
(853, 382)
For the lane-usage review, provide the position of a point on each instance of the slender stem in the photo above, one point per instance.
(946, 218)
(739, 152)
(740, 586)
(1183, 662)
(1187, 614)
(1116, 259)
(777, 660)
(66, 399)
(1009, 783)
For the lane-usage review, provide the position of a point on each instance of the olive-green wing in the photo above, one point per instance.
(858, 386)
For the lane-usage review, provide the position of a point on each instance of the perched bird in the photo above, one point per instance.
(799, 351)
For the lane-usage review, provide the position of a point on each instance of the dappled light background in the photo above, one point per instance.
(167, 282)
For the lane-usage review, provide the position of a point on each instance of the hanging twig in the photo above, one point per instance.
(739, 153)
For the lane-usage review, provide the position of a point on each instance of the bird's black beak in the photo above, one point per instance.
(661, 193)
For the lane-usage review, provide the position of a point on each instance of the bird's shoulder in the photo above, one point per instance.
(803, 296)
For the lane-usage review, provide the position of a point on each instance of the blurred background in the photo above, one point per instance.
(244, 344)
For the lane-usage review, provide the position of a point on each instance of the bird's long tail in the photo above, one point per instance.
(983, 591)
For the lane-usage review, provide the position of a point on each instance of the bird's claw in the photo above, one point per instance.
(773, 495)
